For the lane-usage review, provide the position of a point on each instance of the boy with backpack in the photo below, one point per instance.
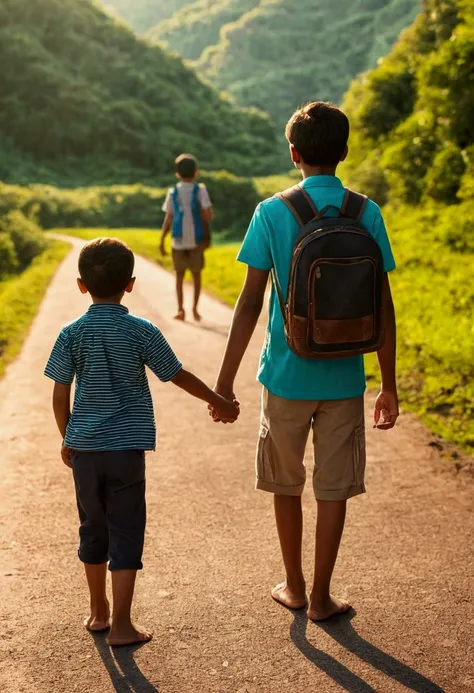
(110, 427)
(188, 210)
(329, 255)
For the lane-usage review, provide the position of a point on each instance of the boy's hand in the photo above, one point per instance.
(163, 251)
(227, 411)
(386, 406)
(228, 394)
(66, 456)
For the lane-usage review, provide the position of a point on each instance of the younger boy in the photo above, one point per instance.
(188, 211)
(111, 426)
(300, 395)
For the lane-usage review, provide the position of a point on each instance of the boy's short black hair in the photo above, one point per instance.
(106, 267)
(319, 131)
(186, 166)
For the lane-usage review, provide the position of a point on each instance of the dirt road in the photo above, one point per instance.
(211, 550)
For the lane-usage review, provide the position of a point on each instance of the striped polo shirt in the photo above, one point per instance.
(106, 351)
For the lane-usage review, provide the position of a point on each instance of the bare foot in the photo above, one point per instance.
(196, 315)
(284, 595)
(98, 621)
(130, 635)
(322, 610)
(180, 315)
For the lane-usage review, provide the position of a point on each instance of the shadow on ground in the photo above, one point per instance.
(342, 631)
(124, 672)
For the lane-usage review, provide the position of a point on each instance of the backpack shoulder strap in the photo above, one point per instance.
(354, 205)
(300, 204)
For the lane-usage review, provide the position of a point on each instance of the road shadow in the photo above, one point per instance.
(223, 330)
(343, 632)
(124, 672)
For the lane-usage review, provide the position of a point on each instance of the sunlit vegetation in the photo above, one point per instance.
(84, 101)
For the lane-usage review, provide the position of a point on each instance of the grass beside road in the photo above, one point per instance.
(434, 297)
(20, 298)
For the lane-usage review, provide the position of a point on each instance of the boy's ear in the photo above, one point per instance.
(130, 285)
(82, 287)
(346, 152)
(295, 155)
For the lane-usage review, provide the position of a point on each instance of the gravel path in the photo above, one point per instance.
(211, 553)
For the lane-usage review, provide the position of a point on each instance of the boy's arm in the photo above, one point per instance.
(62, 412)
(387, 402)
(227, 409)
(167, 224)
(246, 315)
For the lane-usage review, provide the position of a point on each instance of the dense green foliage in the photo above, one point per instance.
(143, 14)
(20, 298)
(137, 206)
(21, 240)
(276, 54)
(412, 116)
(85, 101)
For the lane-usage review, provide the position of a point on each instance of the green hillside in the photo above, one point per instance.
(413, 125)
(274, 54)
(84, 101)
(143, 14)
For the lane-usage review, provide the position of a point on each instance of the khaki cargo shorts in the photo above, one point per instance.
(192, 260)
(338, 440)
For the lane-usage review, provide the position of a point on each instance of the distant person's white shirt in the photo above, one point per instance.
(185, 192)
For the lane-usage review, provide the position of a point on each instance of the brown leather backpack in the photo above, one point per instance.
(334, 304)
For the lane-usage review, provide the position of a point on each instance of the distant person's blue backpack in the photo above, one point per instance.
(178, 214)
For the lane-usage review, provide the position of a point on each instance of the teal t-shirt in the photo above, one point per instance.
(269, 243)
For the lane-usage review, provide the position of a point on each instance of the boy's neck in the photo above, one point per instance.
(188, 180)
(117, 300)
(309, 171)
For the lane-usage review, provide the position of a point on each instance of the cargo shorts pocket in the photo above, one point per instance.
(264, 467)
(359, 455)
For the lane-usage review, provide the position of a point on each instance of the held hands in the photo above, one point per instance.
(66, 456)
(228, 411)
(386, 407)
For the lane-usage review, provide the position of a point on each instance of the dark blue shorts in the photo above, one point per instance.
(110, 490)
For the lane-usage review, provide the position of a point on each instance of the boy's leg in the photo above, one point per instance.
(180, 315)
(197, 294)
(329, 528)
(94, 537)
(99, 619)
(180, 264)
(339, 442)
(196, 265)
(289, 521)
(126, 516)
(284, 431)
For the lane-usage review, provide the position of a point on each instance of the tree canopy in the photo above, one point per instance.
(413, 130)
(276, 54)
(85, 101)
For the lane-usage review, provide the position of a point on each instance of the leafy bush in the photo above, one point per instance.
(135, 206)
(8, 258)
(25, 237)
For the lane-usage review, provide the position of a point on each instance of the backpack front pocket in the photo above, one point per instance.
(343, 305)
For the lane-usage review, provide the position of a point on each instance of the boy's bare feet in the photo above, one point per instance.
(99, 620)
(180, 315)
(322, 610)
(284, 595)
(128, 635)
(196, 315)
